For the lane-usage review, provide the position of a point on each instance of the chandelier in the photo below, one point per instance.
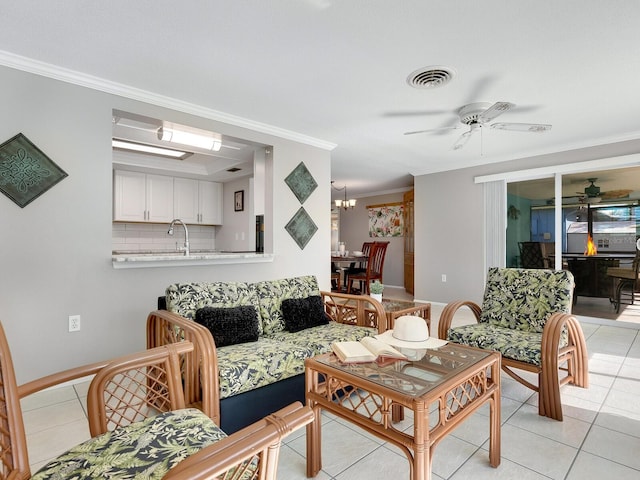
(344, 203)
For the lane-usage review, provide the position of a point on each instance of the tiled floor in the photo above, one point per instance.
(599, 437)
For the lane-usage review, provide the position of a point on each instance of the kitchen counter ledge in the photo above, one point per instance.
(177, 259)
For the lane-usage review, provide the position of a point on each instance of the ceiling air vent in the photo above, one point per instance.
(431, 77)
(233, 169)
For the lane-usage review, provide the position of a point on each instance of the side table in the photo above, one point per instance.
(398, 308)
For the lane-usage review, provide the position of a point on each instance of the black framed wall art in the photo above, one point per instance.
(238, 201)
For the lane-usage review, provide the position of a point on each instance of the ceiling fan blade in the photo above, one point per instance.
(464, 138)
(416, 113)
(430, 130)
(495, 110)
(522, 127)
(615, 194)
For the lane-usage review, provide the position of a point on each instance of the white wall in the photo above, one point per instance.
(448, 237)
(237, 230)
(354, 231)
(55, 254)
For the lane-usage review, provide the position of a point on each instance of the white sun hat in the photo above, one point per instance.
(410, 332)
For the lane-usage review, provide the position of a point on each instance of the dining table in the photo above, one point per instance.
(347, 260)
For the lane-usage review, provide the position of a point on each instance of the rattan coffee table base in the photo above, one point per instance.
(369, 404)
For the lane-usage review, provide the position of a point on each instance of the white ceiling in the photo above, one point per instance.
(335, 70)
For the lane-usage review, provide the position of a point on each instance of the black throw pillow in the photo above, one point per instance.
(302, 313)
(230, 326)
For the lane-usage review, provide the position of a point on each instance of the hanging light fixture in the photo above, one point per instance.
(344, 203)
(175, 135)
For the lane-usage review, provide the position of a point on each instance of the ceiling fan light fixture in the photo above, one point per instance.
(183, 137)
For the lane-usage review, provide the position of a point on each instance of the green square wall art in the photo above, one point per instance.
(301, 182)
(25, 171)
(301, 228)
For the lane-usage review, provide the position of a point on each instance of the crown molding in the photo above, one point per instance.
(56, 72)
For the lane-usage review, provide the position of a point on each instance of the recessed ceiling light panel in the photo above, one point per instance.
(129, 146)
(431, 77)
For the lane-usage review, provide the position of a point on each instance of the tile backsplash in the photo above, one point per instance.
(143, 237)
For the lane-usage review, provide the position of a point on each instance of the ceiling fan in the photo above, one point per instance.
(478, 115)
(593, 194)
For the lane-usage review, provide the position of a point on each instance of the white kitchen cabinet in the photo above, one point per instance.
(185, 199)
(210, 202)
(140, 197)
(197, 201)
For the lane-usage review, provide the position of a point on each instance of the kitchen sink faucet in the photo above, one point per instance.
(186, 234)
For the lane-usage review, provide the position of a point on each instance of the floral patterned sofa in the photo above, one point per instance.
(526, 316)
(252, 340)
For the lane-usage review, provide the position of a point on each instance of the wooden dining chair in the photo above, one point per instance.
(531, 255)
(374, 269)
(360, 267)
(335, 277)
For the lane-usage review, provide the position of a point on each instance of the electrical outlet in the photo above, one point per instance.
(444, 277)
(74, 323)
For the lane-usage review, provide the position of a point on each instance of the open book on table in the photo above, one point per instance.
(368, 349)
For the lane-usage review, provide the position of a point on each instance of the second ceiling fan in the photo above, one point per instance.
(478, 115)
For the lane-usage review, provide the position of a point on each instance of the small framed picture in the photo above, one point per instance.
(238, 201)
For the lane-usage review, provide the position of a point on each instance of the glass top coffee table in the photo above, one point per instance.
(453, 381)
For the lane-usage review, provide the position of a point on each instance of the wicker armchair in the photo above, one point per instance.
(140, 427)
(525, 316)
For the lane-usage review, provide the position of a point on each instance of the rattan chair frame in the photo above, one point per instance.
(161, 380)
(199, 369)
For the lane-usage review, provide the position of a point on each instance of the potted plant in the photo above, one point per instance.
(375, 290)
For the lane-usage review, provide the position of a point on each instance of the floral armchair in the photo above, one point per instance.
(526, 316)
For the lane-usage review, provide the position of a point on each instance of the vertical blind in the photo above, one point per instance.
(495, 212)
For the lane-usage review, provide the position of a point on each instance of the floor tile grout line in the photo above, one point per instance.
(75, 390)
